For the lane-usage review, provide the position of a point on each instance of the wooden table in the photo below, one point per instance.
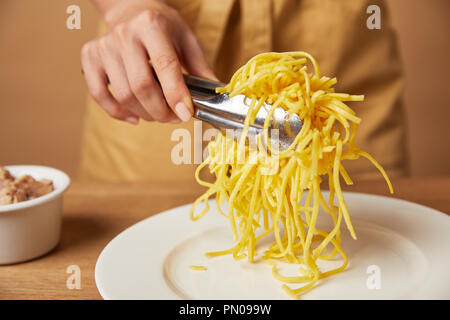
(94, 213)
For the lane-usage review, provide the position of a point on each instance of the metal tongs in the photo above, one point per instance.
(224, 113)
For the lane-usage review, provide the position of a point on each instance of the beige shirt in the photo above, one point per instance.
(231, 32)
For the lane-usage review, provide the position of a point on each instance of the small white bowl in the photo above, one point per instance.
(32, 228)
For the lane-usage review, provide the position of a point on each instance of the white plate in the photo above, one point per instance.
(404, 245)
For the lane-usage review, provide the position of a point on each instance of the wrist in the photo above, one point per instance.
(120, 11)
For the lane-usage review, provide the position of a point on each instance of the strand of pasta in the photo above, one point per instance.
(287, 198)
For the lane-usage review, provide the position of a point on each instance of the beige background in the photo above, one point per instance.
(42, 92)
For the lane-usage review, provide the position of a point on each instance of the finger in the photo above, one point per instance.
(143, 84)
(97, 83)
(168, 69)
(117, 76)
(194, 59)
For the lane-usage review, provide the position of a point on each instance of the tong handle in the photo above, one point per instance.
(208, 105)
(198, 87)
(205, 99)
(201, 88)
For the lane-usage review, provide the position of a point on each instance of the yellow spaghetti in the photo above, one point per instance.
(287, 203)
(197, 268)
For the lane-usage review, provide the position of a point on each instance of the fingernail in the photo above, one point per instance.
(212, 76)
(188, 102)
(132, 120)
(207, 74)
(183, 111)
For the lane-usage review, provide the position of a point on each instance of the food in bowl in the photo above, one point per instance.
(14, 190)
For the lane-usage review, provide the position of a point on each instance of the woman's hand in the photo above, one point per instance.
(143, 30)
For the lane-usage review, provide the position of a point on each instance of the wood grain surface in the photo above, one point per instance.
(94, 213)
